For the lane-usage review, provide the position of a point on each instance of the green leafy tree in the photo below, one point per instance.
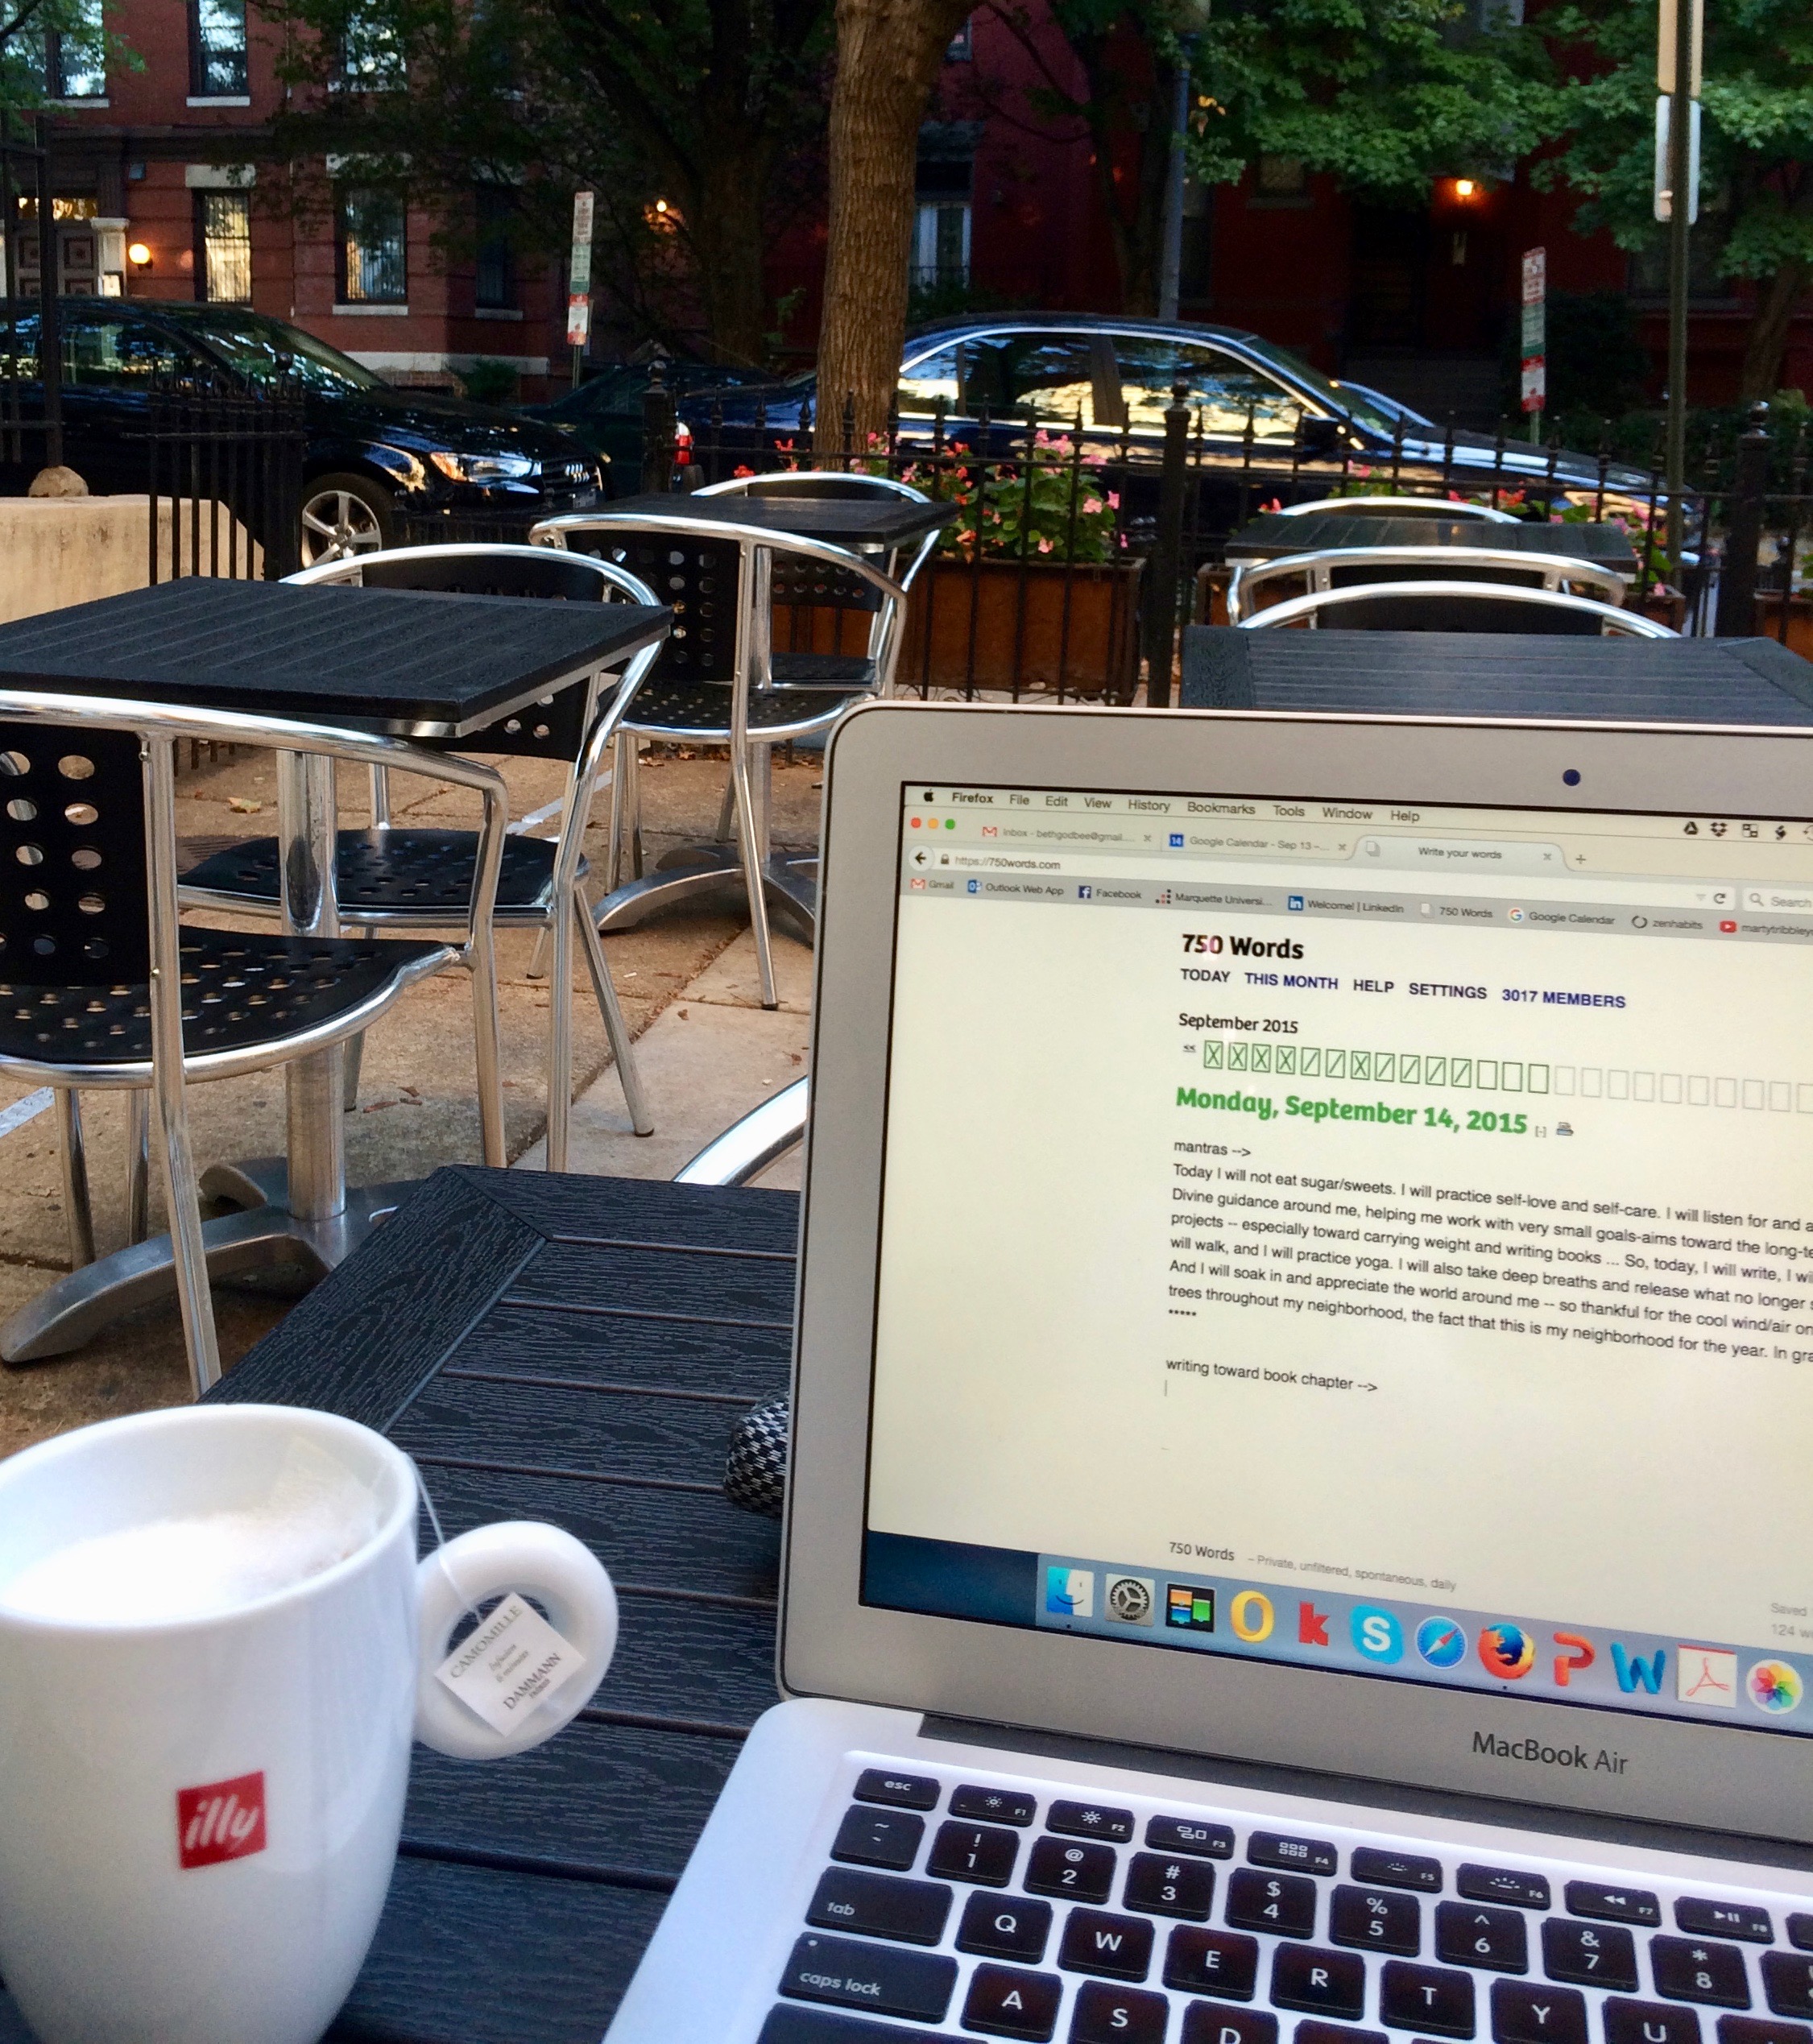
(694, 121)
(1756, 178)
(1384, 94)
(26, 30)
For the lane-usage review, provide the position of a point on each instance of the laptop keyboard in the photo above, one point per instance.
(957, 1905)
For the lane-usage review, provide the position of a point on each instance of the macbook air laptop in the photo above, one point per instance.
(1301, 1518)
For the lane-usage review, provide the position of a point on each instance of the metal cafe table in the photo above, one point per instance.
(576, 1350)
(404, 663)
(1496, 674)
(877, 520)
(1274, 534)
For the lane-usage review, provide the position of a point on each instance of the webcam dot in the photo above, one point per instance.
(1572, 777)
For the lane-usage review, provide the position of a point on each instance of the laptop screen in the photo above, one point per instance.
(1356, 1236)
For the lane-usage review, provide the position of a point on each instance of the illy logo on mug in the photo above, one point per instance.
(222, 1820)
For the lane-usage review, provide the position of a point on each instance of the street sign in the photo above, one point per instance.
(579, 278)
(1665, 45)
(1533, 352)
(1664, 205)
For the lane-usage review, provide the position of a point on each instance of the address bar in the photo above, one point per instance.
(1708, 895)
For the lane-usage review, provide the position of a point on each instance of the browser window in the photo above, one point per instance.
(1356, 1235)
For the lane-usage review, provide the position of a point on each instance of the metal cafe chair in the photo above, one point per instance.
(393, 879)
(1403, 507)
(1456, 607)
(100, 986)
(1346, 567)
(719, 681)
(746, 1149)
(833, 483)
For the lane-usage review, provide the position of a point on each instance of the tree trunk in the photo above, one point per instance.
(889, 52)
(1768, 341)
(728, 236)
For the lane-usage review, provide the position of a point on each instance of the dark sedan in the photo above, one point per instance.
(604, 415)
(1115, 374)
(374, 454)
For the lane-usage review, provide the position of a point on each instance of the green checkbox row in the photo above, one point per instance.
(1376, 1067)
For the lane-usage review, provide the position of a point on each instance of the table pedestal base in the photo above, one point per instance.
(265, 1236)
(790, 884)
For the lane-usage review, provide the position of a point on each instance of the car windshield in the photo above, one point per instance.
(1338, 397)
(261, 349)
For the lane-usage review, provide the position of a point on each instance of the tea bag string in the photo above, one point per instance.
(467, 1608)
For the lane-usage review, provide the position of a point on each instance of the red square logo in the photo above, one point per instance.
(223, 1820)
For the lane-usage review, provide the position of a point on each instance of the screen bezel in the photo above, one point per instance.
(1746, 1782)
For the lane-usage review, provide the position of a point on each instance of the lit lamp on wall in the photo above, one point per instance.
(1465, 188)
(140, 256)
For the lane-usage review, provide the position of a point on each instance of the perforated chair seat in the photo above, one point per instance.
(239, 991)
(422, 872)
(703, 706)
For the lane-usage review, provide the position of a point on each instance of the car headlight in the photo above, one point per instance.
(484, 468)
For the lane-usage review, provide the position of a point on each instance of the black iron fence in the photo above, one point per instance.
(224, 464)
(1077, 554)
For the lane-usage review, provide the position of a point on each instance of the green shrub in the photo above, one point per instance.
(490, 381)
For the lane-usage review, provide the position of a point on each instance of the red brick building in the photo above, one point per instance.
(152, 203)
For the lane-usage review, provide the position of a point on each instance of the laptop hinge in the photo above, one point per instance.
(1355, 1789)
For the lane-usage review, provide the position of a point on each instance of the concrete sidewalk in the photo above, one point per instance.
(707, 1051)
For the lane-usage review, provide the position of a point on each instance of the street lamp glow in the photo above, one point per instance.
(1464, 187)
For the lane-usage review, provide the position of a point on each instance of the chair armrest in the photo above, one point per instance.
(748, 1147)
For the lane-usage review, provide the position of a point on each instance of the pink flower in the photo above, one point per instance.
(1044, 546)
(741, 469)
(965, 539)
(1092, 506)
(1114, 500)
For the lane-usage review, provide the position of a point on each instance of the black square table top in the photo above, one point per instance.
(1496, 674)
(405, 662)
(1274, 533)
(877, 519)
(577, 1350)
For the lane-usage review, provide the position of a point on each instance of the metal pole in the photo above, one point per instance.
(1165, 566)
(1680, 133)
(50, 330)
(1171, 261)
(1744, 530)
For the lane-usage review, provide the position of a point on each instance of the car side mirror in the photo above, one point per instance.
(1319, 437)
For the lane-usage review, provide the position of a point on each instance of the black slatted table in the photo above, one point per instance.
(876, 519)
(1481, 674)
(576, 1350)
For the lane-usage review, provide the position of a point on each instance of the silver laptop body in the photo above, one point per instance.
(1298, 1524)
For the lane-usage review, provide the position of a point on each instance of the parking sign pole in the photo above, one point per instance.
(579, 284)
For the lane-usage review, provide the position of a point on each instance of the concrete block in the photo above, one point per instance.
(57, 550)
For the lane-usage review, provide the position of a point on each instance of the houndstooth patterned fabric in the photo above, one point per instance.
(756, 1468)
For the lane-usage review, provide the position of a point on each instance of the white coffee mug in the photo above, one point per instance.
(199, 1815)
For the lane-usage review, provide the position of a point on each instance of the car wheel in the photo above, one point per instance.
(343, 515)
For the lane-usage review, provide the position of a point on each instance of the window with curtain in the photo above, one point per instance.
(372, 249)
(216, 68)
(495, 287)
(223, 236)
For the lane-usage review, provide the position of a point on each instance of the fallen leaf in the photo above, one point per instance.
(683, 1014)
(243, 805)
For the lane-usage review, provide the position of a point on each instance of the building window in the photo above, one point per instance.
(495, 289)
(76, 57)
(223, 240)
(370, 58)
(372, 249)
(1281, 177)
(941, 243)
(217, 46)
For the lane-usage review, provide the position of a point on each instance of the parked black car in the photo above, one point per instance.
(373, 455)
(1115, 374)
(604, 414)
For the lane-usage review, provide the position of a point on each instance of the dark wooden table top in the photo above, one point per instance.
(875, 519)
(576, 1350)
(1491, 674)
(1274, 533)
(407, 663)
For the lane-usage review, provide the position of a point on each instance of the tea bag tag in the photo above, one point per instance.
(513, 1661)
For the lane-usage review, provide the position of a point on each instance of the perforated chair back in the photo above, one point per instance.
(71, 857)
(1455, 606)
(1356, 567)
(551, 728)
(699, 579)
